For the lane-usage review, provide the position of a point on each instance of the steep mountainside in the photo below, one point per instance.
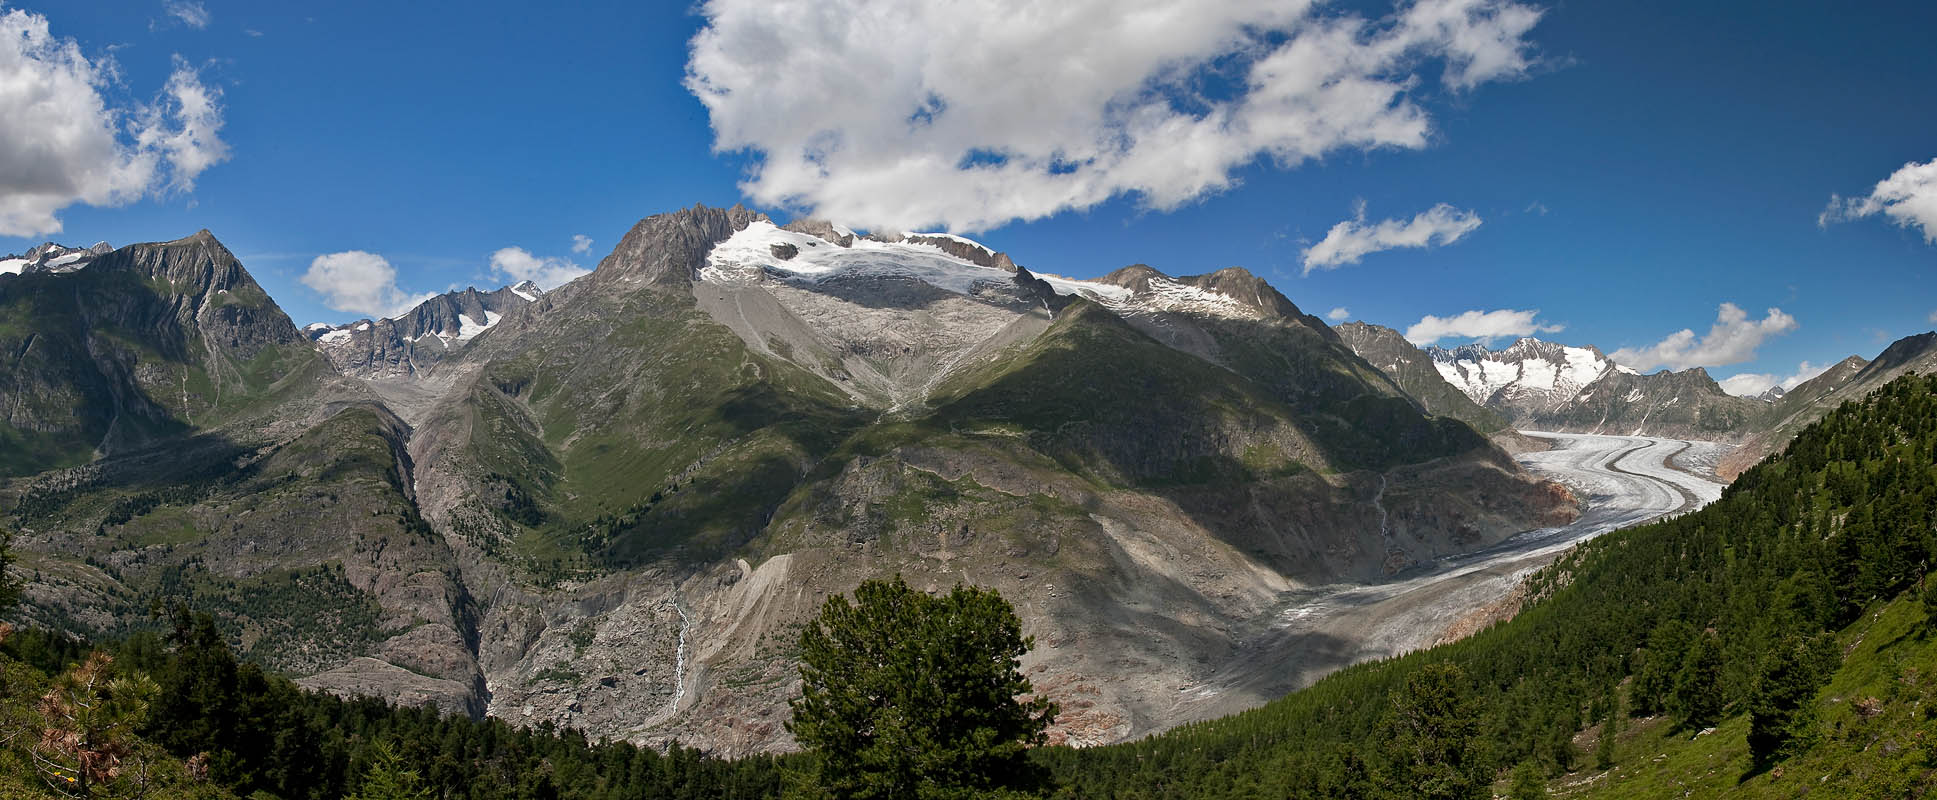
(614, 509)
(1851, 378)
(147, 342)
(1549, 386)
(226, 465)
(1414, 370)
(414, 341)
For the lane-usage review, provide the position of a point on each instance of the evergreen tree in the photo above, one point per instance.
(1527, 783)
(1432, 735)
(1780, 709)
(9, 588)
(1698, 686)
(388, 778)
(909, 695)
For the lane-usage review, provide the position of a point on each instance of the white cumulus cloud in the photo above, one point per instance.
(361, 283)
(1908, 196)
(1353, 239)
(1750, 384)
(1338, 314)
(191, 13)
(63, 143)
(581, 243)
(516, 264)
(973, 113)
(1733, 339)
(1476, 324)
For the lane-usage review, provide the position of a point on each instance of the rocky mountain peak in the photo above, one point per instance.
(417, 339)
(1136, 277)
(52, 257)
(1240, 284)
(669, 249)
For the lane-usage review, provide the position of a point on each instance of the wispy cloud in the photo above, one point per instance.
(1338, 314)
(1066, 105)
(63, 143)
(1733, 339)
(581, 243)
(191, 12)
(1908, 196)
(360, 282)
(1353, 239)
(1482, 325)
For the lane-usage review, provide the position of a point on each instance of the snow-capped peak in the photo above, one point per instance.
(1530, 369)
(53, 258)
(763, 250)
(527, 290)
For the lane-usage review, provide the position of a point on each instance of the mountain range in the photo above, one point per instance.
(1540, 385)
(612, 505)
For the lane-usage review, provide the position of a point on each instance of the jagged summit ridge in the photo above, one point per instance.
(417, 339)
(54, 258)
(1530, 372)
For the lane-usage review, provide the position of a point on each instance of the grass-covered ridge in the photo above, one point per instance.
(1801, 549)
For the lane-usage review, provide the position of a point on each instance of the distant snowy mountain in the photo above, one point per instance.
(416, 339)
(1552, 386)
(1531, 375)
(51, 257)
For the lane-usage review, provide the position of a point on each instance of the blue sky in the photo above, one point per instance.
(1640, 166)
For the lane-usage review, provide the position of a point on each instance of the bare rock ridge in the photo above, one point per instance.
(52, 257)
(668, 249)
(417, 339)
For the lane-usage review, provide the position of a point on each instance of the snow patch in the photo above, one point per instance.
(335, 337)
(12, 266)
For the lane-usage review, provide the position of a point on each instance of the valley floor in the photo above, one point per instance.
(1622, 481)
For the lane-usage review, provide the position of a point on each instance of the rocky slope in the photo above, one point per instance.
(615, 509)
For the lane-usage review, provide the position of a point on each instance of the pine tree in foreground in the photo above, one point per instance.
(911, 695)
